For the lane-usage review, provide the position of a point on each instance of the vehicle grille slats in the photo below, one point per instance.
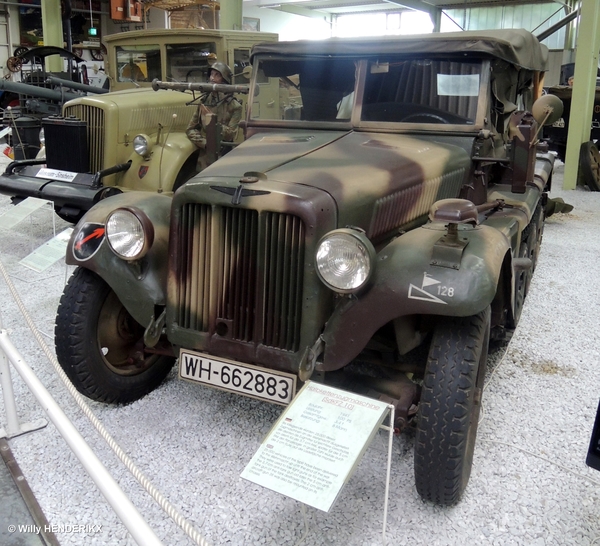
(239, 271)
(95, 132)
(284, 255)
(250, 264)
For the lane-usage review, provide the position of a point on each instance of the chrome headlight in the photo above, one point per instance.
(42, 137)
(129, 232)
(142, 145)
(345, 259)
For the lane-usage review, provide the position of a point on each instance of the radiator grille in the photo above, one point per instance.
(95, 131)
(242, 272)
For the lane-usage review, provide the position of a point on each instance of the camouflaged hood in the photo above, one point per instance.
(389, 174)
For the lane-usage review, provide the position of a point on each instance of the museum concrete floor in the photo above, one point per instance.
(529, 486)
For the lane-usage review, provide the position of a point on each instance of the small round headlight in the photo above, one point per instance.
(345, 260)
(129, 232)
(141, 145)
(42, 137)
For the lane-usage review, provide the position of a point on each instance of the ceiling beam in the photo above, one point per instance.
(304, 12)
(419, 5)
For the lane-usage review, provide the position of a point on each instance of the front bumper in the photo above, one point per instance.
(22, 179)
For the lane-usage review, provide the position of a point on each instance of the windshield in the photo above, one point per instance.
(138, 63)
(190, 62)
(305, 89)
(401, 90)
(422, 91)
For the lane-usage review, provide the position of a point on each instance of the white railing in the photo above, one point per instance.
(124, 507)
(125, 510)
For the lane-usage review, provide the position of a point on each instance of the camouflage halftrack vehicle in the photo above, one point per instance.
(372, 231)
(132, 138)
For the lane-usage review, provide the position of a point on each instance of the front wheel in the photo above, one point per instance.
(101, 347)
(449, 407)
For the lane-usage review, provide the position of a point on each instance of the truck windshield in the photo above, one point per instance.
(138, 63)
(190, 62)
(422, 91)
(313, 89)
(430, 91)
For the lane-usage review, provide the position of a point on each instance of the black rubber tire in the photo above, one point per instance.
(188, 171)
(531, 240)
(100, 346)
(589, 164)
(449, 407)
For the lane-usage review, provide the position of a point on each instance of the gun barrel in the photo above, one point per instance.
(36, 91)
(76, 85)
(204, 87)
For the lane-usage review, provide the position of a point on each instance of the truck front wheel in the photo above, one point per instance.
(100, 346)
(449, 407)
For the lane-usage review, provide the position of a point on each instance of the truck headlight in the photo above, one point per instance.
(129, 232)
(345, 259)
(142, 145)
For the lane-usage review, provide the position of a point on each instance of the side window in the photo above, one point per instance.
(241, 61)
(138, 63)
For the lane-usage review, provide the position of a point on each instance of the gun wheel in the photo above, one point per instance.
(14, 64)
(449, 407)
(100, 346)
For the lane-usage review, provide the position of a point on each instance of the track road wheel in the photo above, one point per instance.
(589, 165)
(449, 407)
(100, 346)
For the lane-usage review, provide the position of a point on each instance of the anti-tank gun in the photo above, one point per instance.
(40, 93)
(214, 142)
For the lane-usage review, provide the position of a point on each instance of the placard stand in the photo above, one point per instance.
(317, 443)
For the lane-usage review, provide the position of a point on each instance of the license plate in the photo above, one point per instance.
(277, 387)
(53, 174)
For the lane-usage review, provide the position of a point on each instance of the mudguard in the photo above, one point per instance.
(140, 285)
(407, 281)
(159, 172)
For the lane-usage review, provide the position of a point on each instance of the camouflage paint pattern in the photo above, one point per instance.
(241, 280)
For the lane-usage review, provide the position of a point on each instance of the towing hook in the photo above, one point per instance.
(154, 329)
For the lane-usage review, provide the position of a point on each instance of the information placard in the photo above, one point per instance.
(50, 252)
(313, 448)
(22, 210)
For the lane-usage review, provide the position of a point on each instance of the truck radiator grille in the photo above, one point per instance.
(95, 132)
(241, 274)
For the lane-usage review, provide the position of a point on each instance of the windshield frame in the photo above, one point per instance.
(355, 122)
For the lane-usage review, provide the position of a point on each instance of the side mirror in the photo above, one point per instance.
(547, 109)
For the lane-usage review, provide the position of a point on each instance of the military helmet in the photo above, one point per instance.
(223, 69)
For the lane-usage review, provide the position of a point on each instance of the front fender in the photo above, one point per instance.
(159, 172)
(406, 283)
(141, 285)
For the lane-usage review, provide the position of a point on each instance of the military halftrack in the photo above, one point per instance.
(379, 224)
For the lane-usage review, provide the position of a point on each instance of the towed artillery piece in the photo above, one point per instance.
(40, 93)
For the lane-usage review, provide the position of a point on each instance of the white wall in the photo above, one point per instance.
(289, 26)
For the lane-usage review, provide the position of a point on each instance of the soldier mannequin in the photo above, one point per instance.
(225, 105)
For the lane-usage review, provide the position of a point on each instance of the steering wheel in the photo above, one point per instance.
(416, 115)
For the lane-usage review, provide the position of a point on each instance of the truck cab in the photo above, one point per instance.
(89, 151)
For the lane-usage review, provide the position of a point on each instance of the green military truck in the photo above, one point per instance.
(90, 151)
(373, 232)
